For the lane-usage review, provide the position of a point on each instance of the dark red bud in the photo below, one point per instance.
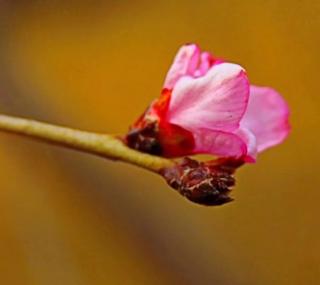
(207, 183)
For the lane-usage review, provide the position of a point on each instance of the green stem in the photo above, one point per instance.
(107, 146)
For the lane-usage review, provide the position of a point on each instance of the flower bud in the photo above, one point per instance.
(207, 183)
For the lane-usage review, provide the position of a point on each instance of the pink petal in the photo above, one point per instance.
(185, 63)
(219, 143)
(216, 101)
(266, 117)
(250, 141)
(206, 61)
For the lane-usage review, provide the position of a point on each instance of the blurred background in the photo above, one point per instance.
(71, 218)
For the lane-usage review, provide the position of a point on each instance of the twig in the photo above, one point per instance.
(107, 146)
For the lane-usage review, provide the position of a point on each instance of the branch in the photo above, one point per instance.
(107, 146)
(207, 183)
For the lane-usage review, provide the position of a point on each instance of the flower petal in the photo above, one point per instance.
(216, 101)
(266, 117)
(185, 63)
(250, 141)
(205, 62)
(219, 143)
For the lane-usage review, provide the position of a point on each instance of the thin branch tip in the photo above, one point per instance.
(107, 146)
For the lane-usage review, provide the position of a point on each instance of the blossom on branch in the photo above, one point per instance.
(208, 106)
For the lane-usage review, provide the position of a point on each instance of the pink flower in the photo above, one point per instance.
(208, 106)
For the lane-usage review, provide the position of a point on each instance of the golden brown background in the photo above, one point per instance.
(71, 218)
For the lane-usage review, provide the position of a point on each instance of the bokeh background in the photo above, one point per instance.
(71, 218)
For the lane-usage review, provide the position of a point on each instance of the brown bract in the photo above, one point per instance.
(207, 183)
(145, 139)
